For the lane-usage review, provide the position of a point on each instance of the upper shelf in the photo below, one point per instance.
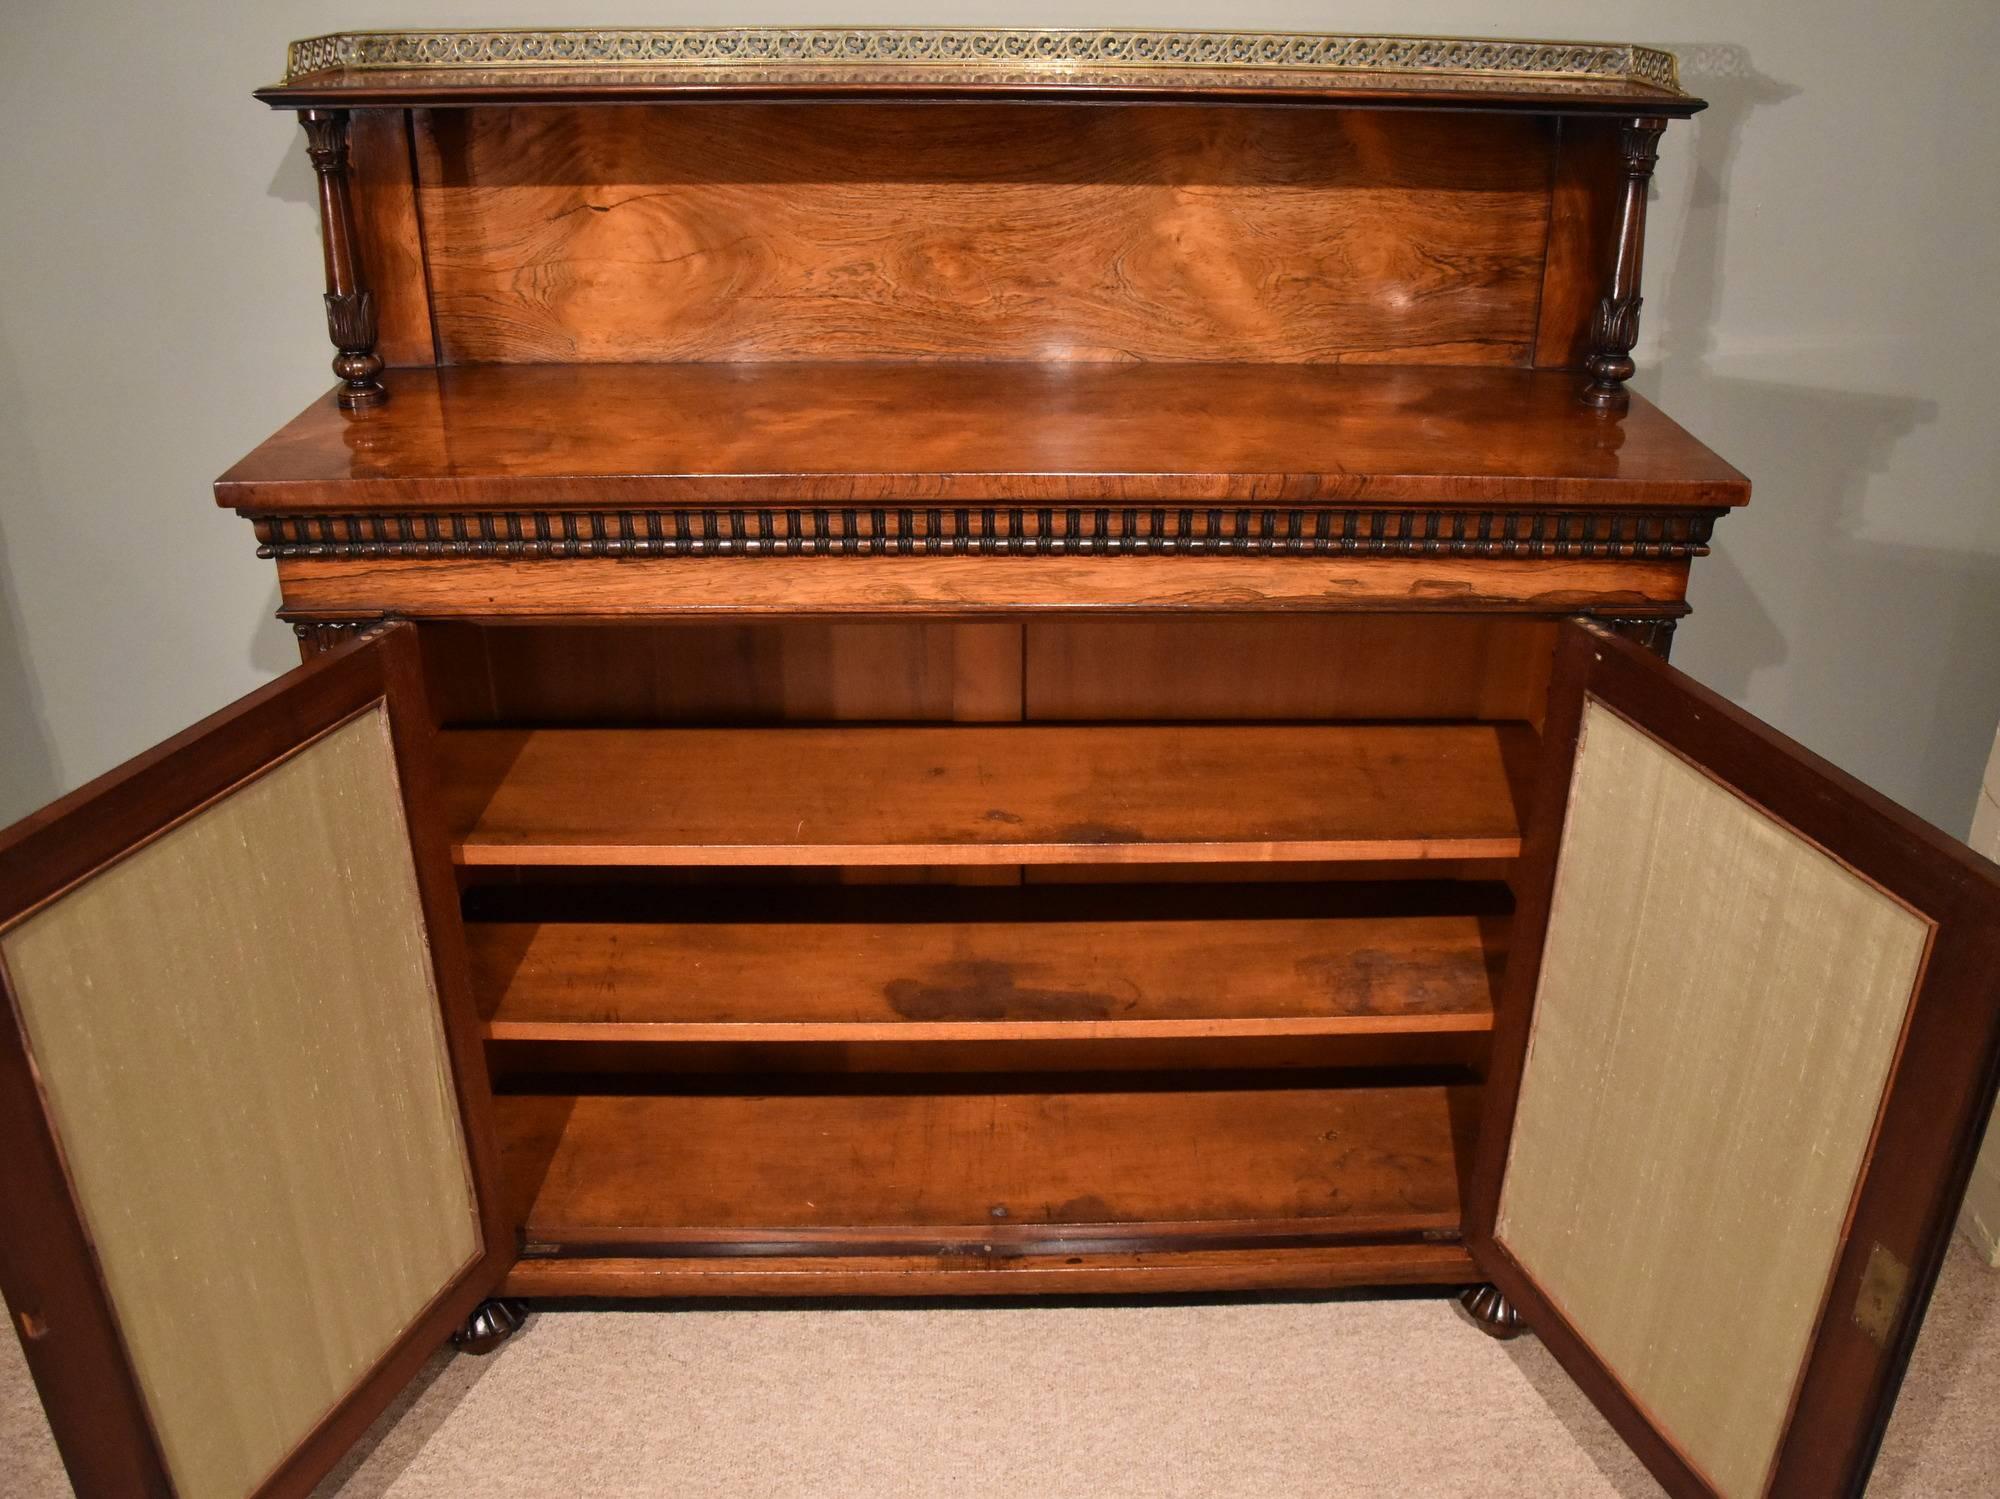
(576, 436)
(404, 68)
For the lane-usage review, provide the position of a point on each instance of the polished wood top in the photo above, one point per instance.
(447, 68)
(779, 434)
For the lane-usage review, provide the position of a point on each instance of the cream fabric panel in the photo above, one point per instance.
(1720, 1005)
(244, 1060)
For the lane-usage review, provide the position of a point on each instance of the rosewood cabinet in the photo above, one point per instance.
(969, 662)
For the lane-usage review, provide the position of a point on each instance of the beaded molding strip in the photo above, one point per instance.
(986, 530)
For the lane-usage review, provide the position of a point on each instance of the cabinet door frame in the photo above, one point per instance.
(1935, 1105)
(100, 1419)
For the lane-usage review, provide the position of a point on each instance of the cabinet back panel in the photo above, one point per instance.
(726, 673)
(1719, 1009)
(242, 1056)
(907, 230)
(1309, 667)
(1329, 666)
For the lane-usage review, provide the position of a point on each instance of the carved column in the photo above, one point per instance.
(350, 306)
(1615, 330)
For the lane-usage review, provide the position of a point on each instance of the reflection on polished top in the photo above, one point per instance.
(776, 434)
(476, 66)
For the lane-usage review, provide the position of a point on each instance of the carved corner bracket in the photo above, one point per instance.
(350, 305)
(1653, 632)
(317, 636)
(1614, 330)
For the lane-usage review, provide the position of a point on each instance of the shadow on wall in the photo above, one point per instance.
(28, 772)
(293, 181)
(28, 777)
(1723, 75)
(1889, 667)
(1888, 650)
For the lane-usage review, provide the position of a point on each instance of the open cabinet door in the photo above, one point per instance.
(248, 1183)
(1738, 1079)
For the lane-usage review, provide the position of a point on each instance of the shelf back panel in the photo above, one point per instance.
(900, 231)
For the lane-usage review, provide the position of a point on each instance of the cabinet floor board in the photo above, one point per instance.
(1070, 1171)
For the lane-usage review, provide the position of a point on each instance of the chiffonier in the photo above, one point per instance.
(980, 662)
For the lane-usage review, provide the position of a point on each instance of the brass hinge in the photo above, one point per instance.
(1884, 1283)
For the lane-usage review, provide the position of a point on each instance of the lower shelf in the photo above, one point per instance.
(930, 1170)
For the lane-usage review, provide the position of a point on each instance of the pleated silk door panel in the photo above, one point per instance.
(1737, 1082)
(248, 1183)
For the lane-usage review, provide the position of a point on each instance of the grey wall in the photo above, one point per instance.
(1821, 309)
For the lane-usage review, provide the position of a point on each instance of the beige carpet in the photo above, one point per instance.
(1336, 1399)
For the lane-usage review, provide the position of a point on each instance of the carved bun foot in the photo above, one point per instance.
(491, 1324)
(1495, 1315)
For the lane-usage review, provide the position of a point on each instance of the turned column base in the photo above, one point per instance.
(491, 1324)
(1492, 1312)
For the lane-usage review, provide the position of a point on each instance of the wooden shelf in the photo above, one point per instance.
(1006, 794)
(899, 1171)
(987, 980)
(779, 434)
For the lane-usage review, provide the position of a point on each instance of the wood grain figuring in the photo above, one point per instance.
(888, 231)
(251, 1089)
(1008, 795)
(1054, 1170)
(622, 435)
(1356, 666)
(1001, 980)
(1325, 1268)
(608, 589)
(1719, 1009)
(388, 235)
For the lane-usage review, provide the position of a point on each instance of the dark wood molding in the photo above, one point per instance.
(1638, 535)
(350, 305)
(1615, 330)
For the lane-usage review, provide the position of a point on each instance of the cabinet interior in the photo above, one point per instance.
(1018, 938)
